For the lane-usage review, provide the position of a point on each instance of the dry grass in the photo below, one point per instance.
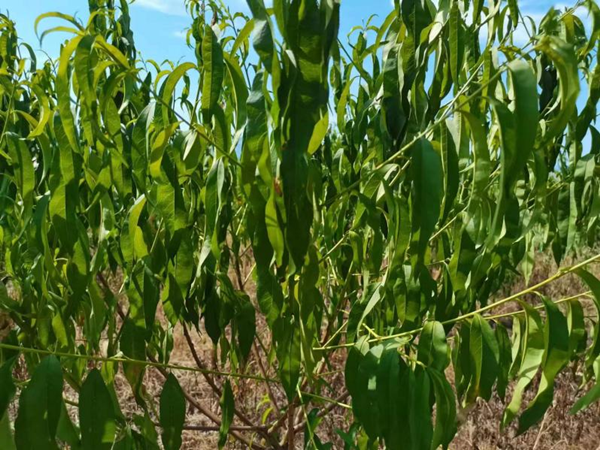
(559, 430)
(480, 430)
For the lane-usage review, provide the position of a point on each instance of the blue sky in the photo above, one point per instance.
(159, 25)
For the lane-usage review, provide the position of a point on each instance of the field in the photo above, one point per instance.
(478, 424)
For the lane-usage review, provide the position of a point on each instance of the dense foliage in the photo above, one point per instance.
(384, 189)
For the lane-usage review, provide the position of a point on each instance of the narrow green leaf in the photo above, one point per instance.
(593, 395)
(67, 432)
(212, 72)
(427, 193)
(227, 410)
(445, 404)
(421, 418)
(7, 441)
(289, 354)
(246, 326)
(96, 413)
(563, 56)
(433, 348)
(63, 91)
(168, 89)
(172, 413)
(576, 323)
(593, 351)
(556, 356)
(7, 386)
(262, 34)
(530, 358)
(274, 228)
(524, 86)
(457, 45)
(40, 404)
(23, 167)
(505, 357)
(484, 356)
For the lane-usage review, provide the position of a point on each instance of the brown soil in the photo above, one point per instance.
(479, 430)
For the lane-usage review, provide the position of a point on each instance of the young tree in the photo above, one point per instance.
(309, 205)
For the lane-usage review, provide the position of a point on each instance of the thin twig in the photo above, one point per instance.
(212, 416)
(264, 374)
(322, 413)
(559, 274)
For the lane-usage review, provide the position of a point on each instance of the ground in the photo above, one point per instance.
(479, 428)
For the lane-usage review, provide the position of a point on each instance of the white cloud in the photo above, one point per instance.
(521, 35)
(182, 34)
(177, 7)
(172, 7)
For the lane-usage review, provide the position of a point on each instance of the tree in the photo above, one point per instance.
(383, 191)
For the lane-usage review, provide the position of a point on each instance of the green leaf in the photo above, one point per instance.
(355, 355)
(135, 232)
(451, 172)
(227, 410)
(274, 229)
(562, 55)
(445, 403)
(513, 9)
(246, 326)
(158, 149)
(484, 356)
(63, 91)
(594, 284)
(508, 138)
(457, 46)
(239, 88)
(556, 356)
(56, 15)
(7, 386)
(133, 345)
(139, 146)
(7, 441)
(532, 352)
(262, 34)
(172, 413)
(524, 86)
(96, 413)
(392, 395)
(83, 70)
(40, 404)
(168, 88)
(23, 168)
(402, 427)
(319, 134)
(66, 430)
(213, 71)
(289, 354)
(593, 395)
(45, 114)
(433, 348)
(576, 323)
(505, 357)
(365, 399)
(427, 193)
(420, 418)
